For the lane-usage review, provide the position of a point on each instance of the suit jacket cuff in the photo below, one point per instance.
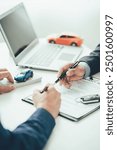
(45, 118)
(87, 69)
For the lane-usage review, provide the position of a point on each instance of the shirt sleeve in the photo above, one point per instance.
(87, 69)
(30, 135)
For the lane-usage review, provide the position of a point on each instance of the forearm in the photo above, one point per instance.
(32, 134)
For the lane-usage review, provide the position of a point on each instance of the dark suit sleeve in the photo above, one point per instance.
(93, 60)
(30, 135)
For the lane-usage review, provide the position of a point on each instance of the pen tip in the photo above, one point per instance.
(57, 80)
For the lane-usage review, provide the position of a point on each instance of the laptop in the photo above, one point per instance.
(25, 47)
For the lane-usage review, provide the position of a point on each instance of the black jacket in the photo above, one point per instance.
(93, 60)
(30, 135)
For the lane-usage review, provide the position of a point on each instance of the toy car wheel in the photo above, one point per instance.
(52, 41)
(24, 80)
(73, 44)
(32, 75)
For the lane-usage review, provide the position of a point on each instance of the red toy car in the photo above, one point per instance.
(66, 40)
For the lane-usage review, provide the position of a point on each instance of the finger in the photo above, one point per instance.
(67, 80)
(5, 89)
(64, 81)
(48, 86)
(75, 78)
(6, 74)
(78, 71)
(67, 85)
(72, 72)
(64, 68)
(60, 83)
(3, 69)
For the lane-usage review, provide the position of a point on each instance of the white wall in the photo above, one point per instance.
(81, 17)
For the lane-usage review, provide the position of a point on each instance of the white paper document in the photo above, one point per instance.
(71, 105)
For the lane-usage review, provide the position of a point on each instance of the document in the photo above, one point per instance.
(71, 104)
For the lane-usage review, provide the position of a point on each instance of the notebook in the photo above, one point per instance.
(71, 105)
(25, 47)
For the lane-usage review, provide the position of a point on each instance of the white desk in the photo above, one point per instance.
(67, 135)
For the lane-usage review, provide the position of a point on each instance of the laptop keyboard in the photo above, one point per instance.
(45, 56)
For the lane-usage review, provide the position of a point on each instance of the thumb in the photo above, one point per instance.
(71, 72)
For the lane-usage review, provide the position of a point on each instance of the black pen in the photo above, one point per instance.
(44, 90)
(63, 75)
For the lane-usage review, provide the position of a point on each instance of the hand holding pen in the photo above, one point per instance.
(69, 73)
(49, 100)
(73, 74)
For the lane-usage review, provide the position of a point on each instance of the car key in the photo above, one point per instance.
(88, 99)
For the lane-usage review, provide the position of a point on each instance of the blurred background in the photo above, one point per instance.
(81, 17)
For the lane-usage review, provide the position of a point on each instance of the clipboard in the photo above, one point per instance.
(71, 106)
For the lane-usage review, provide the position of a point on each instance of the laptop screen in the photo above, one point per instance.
(17, 29)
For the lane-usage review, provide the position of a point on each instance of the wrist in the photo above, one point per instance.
(86, 68)
(48, 109)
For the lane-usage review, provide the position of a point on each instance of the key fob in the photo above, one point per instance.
(88, 99)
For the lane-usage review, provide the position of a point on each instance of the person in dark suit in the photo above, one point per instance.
(88, 66)
(33, 133)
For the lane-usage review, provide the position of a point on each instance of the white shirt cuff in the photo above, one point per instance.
(87, 69)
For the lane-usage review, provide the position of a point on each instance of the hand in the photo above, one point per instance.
(49, 100)
(72, 75)
(4, 73)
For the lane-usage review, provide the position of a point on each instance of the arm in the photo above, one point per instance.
(31, 135)
(93, 61)
(88, 65)
(34, 133)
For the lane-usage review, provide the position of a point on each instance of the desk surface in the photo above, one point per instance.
(82, 135)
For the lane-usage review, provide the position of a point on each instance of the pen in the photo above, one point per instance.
(63, 75)
(44, 90)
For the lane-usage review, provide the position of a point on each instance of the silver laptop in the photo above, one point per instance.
(26, 48)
